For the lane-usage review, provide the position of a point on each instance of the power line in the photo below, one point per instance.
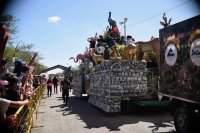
(158, 14)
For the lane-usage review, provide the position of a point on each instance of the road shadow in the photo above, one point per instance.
(94, 117)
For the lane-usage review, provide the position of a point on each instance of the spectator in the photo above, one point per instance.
(9, 65)
(55, 84)
(65, 85)
(18, 67)
(7, 123)
(24, 71)
(11, 93)
(36, 82)
(49, 87)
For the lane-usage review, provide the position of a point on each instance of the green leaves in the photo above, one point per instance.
(120, 49)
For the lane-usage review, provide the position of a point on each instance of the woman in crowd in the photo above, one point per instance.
(49, 87)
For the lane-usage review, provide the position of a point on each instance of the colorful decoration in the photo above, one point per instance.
(96, 57)
(117, 55)
(130, 52)
(115, 29)
(147, 46)
(78, 57)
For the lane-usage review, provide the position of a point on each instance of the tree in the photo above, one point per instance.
(23, 51)
(10, 22)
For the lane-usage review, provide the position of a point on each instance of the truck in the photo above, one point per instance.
(179, 73)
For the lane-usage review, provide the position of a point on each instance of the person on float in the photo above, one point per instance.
(114, 37)
(92, 41)
(129, 40)
(122, 41)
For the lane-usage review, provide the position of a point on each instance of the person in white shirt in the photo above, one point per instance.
(129, 40)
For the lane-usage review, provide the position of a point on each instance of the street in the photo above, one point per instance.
(81, 117)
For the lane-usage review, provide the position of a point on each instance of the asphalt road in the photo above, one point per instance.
(81, 117)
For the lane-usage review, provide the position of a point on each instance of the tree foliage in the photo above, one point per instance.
(11, 24)
(23, 51)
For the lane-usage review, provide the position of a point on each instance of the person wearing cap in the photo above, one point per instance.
(129, 40)
(11, 93)
(18, 67)
(122, 41)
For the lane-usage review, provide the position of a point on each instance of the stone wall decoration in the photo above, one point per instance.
(77, 90)
(115, 79)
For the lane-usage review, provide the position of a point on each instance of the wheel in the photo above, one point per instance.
(126, 107)
(185, 120)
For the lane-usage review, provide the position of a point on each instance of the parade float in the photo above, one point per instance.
(180, 72)
(115, 77)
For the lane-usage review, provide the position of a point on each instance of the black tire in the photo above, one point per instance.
(185, 120)
(126, 107)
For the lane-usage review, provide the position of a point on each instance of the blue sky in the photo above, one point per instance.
(59, 28)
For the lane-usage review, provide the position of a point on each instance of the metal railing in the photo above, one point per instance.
(25, 114)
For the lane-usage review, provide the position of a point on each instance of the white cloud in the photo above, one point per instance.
(54, 19)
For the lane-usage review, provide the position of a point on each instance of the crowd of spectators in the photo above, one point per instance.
(17, 84)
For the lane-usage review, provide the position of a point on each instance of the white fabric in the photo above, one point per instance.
(3, 107)
(129, 40)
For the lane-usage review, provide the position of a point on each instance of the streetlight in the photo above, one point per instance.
(125, 20)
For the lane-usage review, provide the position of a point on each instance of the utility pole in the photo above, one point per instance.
(125, 20)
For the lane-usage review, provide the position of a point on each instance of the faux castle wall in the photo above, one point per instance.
(116, 79)
(77, 90)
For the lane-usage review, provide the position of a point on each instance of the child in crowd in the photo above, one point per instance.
(12, 93)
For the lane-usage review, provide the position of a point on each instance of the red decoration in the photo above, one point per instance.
(115, 29)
